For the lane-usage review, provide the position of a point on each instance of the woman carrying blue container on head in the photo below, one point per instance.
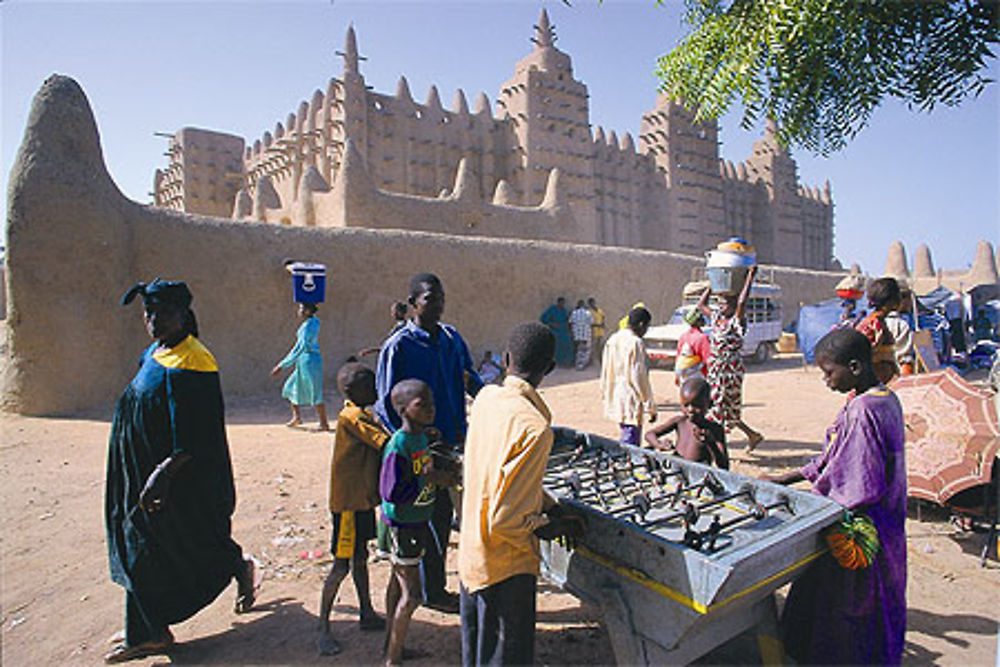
(305, 385)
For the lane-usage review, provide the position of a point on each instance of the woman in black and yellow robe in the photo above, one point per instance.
(169, 492)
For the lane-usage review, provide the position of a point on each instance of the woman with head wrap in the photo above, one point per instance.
(169, 492)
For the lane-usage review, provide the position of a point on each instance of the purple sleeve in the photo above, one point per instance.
(397, 483)
(853, 471)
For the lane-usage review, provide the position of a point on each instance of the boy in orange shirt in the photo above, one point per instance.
(357, 458)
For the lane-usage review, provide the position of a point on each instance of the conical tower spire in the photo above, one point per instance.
(350, 52)
(545, 34)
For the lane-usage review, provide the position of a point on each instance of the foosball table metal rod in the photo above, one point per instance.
(709, 482)
(697, 539)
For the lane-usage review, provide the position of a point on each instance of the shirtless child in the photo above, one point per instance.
(698, 439)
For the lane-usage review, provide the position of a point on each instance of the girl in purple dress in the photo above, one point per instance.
(835, 615)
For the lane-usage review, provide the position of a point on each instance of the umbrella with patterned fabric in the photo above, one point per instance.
(952, 434)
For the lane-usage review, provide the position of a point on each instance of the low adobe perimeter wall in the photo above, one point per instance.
(75, 244)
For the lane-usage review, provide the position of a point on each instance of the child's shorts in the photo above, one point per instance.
(407, 544)
(351, 533)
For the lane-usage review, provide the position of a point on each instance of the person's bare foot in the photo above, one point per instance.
(292, 423)
(408, 654)
(753, 440)
(327, 645)
(323, 426)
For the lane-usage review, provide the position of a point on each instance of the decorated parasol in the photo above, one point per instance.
(952, 434)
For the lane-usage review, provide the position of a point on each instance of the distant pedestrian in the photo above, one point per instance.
(884, 297)
(556, 319)
(725, 368)
(490, 368)
(581, 321)
(398, 310)
(694, 348)
(598, 330)
(305, 385)
(625, 389)
(623, 322)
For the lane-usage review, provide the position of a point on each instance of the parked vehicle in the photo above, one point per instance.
(763, 324)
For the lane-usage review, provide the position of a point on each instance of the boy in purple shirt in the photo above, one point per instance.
(836, 615)
(408, 485)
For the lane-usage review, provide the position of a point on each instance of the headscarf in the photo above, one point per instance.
(165, 293)
(692, 315)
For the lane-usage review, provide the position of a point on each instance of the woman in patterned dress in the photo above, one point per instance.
(725, 366)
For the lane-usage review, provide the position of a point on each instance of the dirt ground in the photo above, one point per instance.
(58, 605)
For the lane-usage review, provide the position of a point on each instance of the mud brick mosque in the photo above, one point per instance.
(531, 168)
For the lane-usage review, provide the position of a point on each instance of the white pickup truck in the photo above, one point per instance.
(763, 325)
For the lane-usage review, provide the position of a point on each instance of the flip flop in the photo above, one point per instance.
(245, 599)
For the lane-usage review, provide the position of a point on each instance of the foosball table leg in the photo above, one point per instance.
(626, 642)
(772, 650)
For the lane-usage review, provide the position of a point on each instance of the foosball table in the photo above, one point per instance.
(679, 556)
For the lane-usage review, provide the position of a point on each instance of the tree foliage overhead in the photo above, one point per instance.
(819, 68)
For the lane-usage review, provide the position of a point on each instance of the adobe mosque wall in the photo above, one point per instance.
(667, 189)
(75, 244)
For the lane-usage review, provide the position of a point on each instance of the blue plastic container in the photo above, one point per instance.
(308, 282)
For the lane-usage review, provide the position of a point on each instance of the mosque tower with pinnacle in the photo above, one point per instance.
(534, 169)
(547, 109)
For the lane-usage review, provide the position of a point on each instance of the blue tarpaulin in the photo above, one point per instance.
(816, 320)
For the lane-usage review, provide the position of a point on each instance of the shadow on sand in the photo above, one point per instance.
(943, 626)
(282, 632)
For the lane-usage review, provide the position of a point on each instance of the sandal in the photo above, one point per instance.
(124, 652)
(245, 597)
(754, 440)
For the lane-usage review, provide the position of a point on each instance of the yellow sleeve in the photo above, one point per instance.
(516, 502)
(365, 429)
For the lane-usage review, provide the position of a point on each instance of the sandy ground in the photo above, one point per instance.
(58, 605)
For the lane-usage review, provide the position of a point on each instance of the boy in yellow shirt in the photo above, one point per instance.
(504, 510)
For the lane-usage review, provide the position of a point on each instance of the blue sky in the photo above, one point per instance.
(241, 66)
